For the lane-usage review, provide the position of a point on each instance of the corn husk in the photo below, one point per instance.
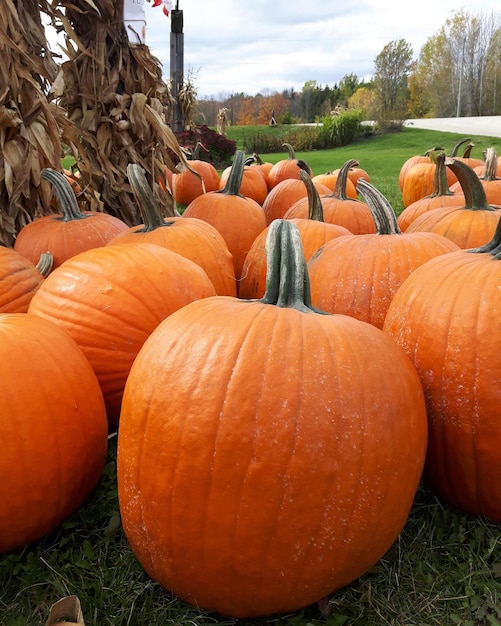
(29, 133)
(117, 106)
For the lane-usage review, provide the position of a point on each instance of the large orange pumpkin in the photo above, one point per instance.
(111, 298)
(192, 238)
(68, 233)
(446, 318)
(254, 184)
(186, 185)
(359, 275)
(53, 429)
(283, 462)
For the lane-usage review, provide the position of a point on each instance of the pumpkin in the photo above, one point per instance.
(470, 224)
(111, 298)
(284, 194)
(489, 177)
(238, 219)
(414, 160)
(283, 463)
(441, 196)
(19, 279)
(287, 168)
(338, 208)
(192, 238)
(359, 276)
(68, 233)
(446, 318)
(187, 183)
(313, 231)
(263, 166)
(329, 179)
(53, 429)
(253, 183)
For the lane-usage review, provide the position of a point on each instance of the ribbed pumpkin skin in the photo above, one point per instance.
(196, 240)
(466, 228)
(446, 318)
(65, 239)
(110, 299)
(352, 214)
(186, 186)
(314, 235)
(359, 276)
(19, 279)
(53, 429)
(238, 219)
(254, 184)
(279, 467)
(285, 193)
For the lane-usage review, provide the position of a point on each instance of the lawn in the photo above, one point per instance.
(444, 568)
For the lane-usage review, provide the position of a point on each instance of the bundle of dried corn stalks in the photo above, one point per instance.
(29, 133)
(116, 102)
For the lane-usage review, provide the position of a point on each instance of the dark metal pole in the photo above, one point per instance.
(176, 65)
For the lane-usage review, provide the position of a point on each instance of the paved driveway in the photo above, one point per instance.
(489, 126)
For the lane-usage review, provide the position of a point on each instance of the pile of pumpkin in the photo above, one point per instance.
(282, 370)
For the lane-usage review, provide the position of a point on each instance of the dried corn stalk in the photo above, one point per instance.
(29, 134)
(116, 103)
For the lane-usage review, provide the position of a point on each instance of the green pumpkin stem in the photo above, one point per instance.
(65, 195)
(381, 210)
(342, 180)
(471, 185)
(287, 280)
(493, 246)
(45, 263)
(232, 186)
(315, 208)
(440, 182)
(455, 150)
(146, 202)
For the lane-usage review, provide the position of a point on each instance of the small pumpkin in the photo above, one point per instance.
(313, 231)
(53, 429)
(470, 224)
(275, 462)
(287, 168)
(253, 183)
(68, 233)
(19, 279)
(338, 208)
(441, 196)
(286, 193)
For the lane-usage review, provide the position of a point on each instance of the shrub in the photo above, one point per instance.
(341, 130)
(219, 149)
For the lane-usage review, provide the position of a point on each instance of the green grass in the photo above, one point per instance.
(383, 156)
(443, 570)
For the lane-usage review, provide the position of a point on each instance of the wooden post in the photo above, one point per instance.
(176, 65)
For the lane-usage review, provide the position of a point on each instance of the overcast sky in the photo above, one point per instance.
(231, 46)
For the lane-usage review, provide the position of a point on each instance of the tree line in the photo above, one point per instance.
(456, 73)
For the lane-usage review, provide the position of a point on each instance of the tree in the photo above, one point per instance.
(392, 68)
(457, 70)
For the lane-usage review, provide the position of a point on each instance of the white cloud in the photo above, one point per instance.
(231, 46)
